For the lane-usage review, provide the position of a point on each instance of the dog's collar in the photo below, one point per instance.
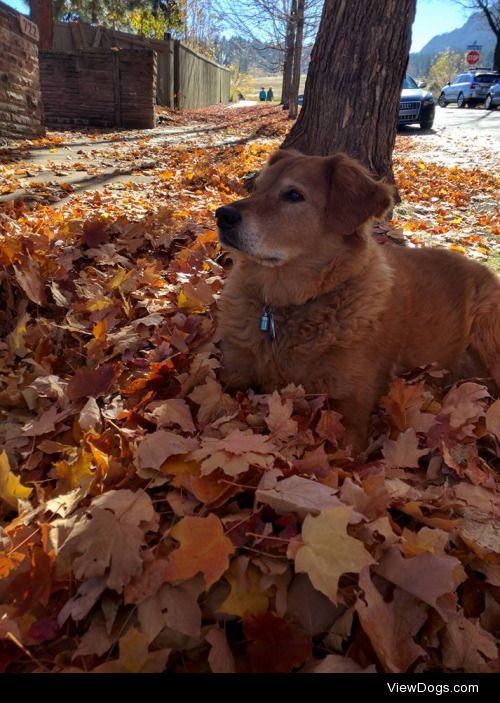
(267, 322)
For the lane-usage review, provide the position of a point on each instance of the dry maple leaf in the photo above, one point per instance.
(117, 519)
(412, 575)
(275, 645)
(174, 607)
(464, 405)
(246, 595)
(135, 657)
(220, 657)
(91, 382)
(467, 646)
(158, 446)
(391, 626)
(328, 550)
(174, 411)
(90, 415)
(279, 420)
(297, 494)
(403, 452)
(235, 453)
(203, 548)
(11, 488)
(212, 400)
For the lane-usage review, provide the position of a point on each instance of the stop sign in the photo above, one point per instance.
(472, 57)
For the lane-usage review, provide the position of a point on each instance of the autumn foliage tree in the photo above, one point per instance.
(351, 98)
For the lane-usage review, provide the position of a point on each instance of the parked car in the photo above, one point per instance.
(300, 100)
(417, 105)
(493, 98)
(469, 88)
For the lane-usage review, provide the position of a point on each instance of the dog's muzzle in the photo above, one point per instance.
(228, 219)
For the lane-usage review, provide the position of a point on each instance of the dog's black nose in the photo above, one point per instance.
(227, 216)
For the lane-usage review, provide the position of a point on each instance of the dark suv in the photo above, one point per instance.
(469, 88)
(416, 105)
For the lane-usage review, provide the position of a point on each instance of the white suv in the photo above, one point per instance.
(469, 88)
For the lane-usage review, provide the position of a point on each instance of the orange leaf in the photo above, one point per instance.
(204, 548)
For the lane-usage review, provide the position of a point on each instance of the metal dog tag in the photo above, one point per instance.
(264, 321)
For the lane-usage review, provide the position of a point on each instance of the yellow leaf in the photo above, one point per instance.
(11, 487)
(80, 472)
(99, 305)
(180, 470)
(117, 280)
(246, 596)
(100, 328)
(328, 550)
(457, 247)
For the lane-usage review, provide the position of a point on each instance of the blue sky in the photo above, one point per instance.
(433, 17)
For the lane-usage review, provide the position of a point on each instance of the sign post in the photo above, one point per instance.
(473, 54)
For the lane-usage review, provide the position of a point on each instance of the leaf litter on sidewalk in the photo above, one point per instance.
(152, 519)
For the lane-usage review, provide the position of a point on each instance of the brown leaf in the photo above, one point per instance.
(279, 420)
(467, 647)
(157, 447)
(174, 411)
(412, 575)
(391, 626)
(91, 382)
(29, 278)
(403, 452)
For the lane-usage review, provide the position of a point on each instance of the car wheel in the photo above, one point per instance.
(460, 100)
(488, 103)
(426, 124)
(442, 101)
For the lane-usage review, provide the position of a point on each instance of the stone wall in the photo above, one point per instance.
(20, 101)
(99, 87)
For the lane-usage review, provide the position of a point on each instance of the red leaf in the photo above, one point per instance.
(276, 646)
(91, 382)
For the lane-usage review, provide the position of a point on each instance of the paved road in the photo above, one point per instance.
(467, 137)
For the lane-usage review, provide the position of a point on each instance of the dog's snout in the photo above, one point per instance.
(227, 216)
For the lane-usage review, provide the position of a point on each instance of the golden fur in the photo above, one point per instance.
(348, 312)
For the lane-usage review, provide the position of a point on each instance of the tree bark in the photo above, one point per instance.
(41, 13)
(297, 60)
(496, 55)
(353, 88)
(289, 52)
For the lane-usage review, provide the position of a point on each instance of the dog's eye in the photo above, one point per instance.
(293, 196)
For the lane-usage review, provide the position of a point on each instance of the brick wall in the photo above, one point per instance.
(99, 87)
(20, 101)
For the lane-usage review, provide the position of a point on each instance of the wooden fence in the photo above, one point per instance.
(185, 79)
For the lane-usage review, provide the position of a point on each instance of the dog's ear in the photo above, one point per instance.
(353, 195)
(282, 154)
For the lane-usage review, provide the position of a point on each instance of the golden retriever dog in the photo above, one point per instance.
(312, 298)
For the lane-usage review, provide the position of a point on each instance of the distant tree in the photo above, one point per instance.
(491, 10)
(293, 92)
(353, 88)
(444, 68)
(271, 24)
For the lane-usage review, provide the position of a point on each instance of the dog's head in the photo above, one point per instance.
(302, 204)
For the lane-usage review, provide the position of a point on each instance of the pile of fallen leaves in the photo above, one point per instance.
(151, 520)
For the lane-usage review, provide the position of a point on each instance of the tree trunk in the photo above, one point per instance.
(41, 13)
(353, 88)
(289, 51)
(297, 60)
(496, 55)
